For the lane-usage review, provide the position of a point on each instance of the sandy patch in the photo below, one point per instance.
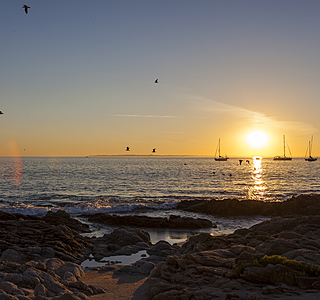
(118, 285)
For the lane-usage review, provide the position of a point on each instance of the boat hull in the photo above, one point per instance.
(221, 158)
(311, 159)
(282, 158)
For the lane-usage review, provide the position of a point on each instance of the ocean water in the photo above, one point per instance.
(148, 185)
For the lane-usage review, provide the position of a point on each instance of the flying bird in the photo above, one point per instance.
(156, 81)
(26, 7)
(154, 150)
(1, 113)
(128, 149)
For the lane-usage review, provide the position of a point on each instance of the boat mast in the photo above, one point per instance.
(219, 148)
(310, 146)
(284, 146)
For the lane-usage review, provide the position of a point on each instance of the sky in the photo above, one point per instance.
(77, 77)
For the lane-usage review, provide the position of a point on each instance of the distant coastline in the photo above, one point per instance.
(176, 155)
(148, 155)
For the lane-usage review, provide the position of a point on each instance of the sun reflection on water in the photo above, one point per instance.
(258, 189)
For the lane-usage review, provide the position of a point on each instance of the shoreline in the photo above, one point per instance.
(41, 257)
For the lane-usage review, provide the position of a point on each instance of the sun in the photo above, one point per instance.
(257, 139)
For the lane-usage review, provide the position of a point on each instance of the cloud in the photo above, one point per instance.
(142, 116)
(258, 119)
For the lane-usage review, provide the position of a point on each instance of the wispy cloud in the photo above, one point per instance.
(257, 119)
(143, 116)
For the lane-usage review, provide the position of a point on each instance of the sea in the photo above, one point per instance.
(151, 185)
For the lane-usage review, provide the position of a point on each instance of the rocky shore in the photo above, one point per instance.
(40, 258)
(150, 222)
(277, 258)
(297, 205)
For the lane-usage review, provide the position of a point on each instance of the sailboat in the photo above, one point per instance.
(310, 158)
(220, 158)
(284, 157)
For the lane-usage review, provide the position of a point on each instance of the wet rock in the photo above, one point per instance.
(127, 236)
(162, 249)
(297, 205)
(150, 222)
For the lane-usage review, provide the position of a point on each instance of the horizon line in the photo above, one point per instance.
(147, 155)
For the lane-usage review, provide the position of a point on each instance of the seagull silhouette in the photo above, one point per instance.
(153, 150)
(128, 149)
(26, 7)
(156, 81)
(1, 113)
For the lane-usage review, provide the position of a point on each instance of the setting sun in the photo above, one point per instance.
(257, 139)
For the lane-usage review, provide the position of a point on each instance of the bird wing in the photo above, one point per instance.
(26, 8)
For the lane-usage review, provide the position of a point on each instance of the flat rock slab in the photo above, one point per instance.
(150, 222)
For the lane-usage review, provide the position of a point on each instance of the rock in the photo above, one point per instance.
(144, 267)
(306, 283)
(297, 205)
(61, 217)
(138, 268)
(67, 296)
(10, 288)
(276, 246)
(209, 258)
(12, 255)
(5, 296)
(150, 222)
(73, 268)
(271, 290)
(40, 290)
(126, 236)
(273, 274)
(254, 296)
(162, 248)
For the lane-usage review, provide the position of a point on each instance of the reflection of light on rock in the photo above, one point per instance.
(18, 163)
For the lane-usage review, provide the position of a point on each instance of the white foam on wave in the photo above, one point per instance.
(104, 205)
(26, 209)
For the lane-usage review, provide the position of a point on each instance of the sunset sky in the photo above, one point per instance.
(77, 77)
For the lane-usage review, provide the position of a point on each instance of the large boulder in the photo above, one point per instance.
(125, 236)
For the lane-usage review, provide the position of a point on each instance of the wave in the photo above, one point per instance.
(102, 205)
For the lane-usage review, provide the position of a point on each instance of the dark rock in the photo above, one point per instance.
(297, 205)
(61, 217)
(274, 274)
(276, 247)
(126, 236)
(150, 222)
(306, 283)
